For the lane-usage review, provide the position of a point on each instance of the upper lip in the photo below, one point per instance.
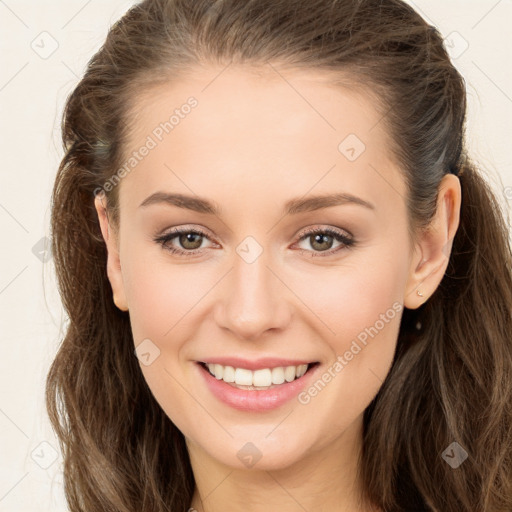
(255, 364)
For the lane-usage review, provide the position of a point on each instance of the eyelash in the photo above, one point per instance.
(347, 241)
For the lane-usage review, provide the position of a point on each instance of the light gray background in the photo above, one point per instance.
(34, 83)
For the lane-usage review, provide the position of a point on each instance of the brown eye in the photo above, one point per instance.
(188, 243)
(190, 240)
(322, 240)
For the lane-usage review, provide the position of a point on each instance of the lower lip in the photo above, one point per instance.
(256, 400)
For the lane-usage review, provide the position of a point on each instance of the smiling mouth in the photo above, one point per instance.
(265, 378)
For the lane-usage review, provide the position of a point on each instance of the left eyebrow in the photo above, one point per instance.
(292, 207)
(312, 203)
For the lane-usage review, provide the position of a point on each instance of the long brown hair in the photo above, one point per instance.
(451, 380)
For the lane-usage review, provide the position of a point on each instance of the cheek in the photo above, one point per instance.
(360, 309)
(161, 294)
(163, 299)
(350, 298)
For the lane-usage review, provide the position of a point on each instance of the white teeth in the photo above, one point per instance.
(262, 378)
(278, 375)
(300, 370)
(243, 377)
(289, 373)
(229, 374)
(219, 371)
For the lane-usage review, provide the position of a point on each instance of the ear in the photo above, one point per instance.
(113, 261)
(432, 251)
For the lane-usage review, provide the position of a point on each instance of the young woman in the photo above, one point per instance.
(288, 286)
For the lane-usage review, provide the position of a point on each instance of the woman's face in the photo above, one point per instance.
(276, 279)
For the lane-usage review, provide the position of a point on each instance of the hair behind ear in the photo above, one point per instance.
(451, 380)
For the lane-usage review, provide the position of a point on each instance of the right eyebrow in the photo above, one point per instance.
(196, 204)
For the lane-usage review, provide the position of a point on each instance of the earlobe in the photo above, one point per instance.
(416, 291)
(113, 259)
(425, 278)
(120, 305)
(433, 249)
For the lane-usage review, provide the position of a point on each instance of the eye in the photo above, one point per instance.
(189, 239)
(322, 240)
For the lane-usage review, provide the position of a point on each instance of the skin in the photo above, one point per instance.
(256, 140)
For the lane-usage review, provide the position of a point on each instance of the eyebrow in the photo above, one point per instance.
(293, 206)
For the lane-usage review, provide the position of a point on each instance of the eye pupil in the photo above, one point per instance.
(321, 239)
(189, 238)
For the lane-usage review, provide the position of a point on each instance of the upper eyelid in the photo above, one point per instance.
(319, 228)
(175, 231)
(303, 232)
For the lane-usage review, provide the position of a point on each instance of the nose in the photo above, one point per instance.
(253, 300)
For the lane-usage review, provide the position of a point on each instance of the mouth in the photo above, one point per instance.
(264, 388)
(260, 379)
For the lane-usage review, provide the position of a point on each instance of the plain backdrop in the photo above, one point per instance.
(45, 46)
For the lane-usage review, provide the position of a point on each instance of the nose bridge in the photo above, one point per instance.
(253, 299)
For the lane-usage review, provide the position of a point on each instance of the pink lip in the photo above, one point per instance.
(254, 400)
(254, 364)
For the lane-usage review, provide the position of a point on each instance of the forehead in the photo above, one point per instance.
(274, 99)
(257, 131)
